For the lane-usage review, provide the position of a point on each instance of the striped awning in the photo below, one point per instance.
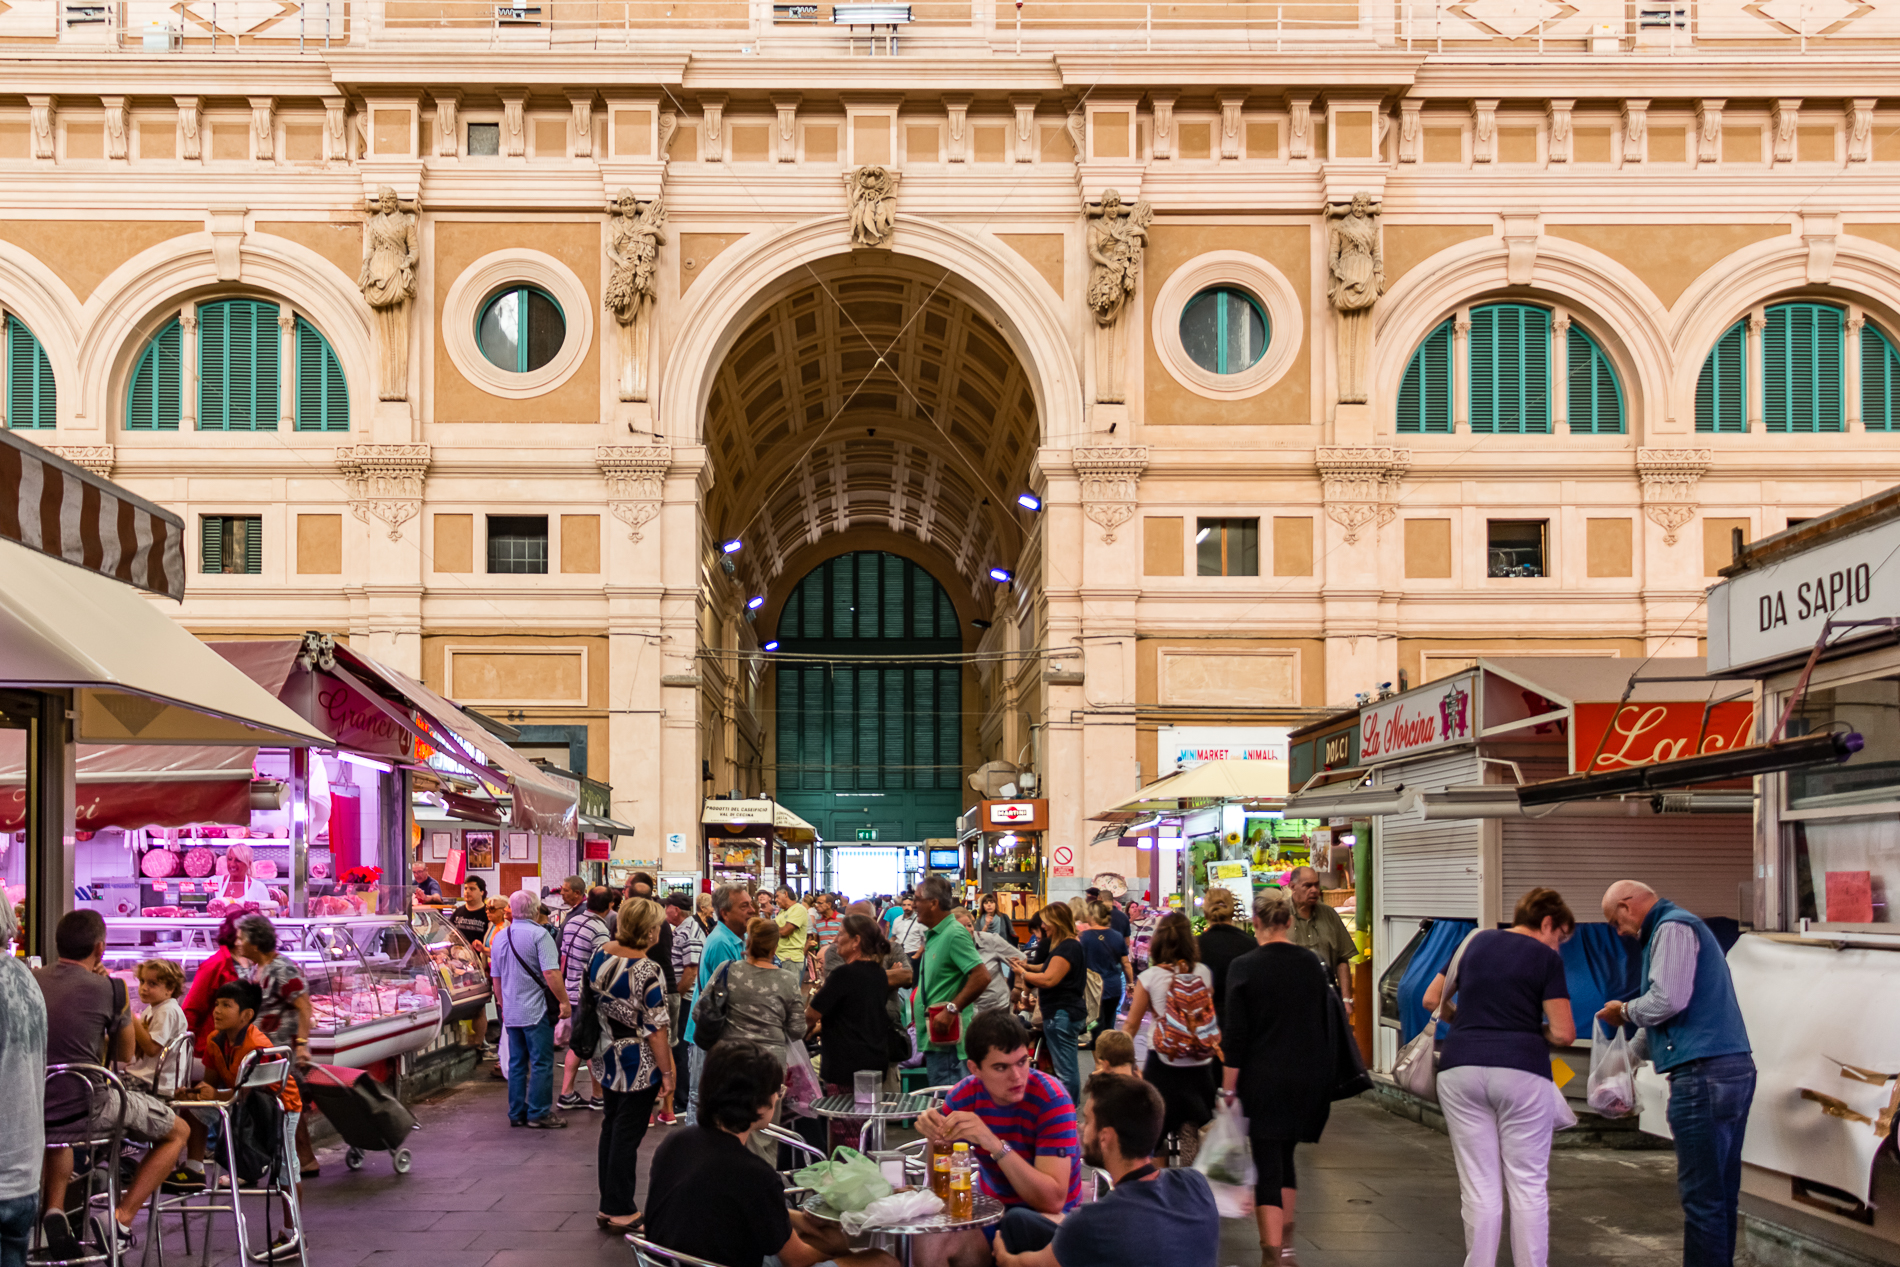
(49, 505)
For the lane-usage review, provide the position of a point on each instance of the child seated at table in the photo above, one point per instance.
(161, 1023)
(232, 1038)
(1115, 1053)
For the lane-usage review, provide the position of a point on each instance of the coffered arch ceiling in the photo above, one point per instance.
(880, 401)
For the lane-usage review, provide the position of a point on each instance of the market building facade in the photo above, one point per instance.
(1336, 345)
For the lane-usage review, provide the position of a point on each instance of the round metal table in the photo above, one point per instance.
(891, 1106)
(984, 1210)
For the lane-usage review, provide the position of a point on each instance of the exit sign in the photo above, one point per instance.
(867, 833)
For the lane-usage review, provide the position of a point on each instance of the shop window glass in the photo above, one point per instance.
(1873, 774)
(1516, 547)
(1227, 547)
(1844, 869)
(521, 329)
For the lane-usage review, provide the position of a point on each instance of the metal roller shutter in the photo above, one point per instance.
(1697, 861)
(1428, 868)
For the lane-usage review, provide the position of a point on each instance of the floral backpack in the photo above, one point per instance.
(1188, 1030)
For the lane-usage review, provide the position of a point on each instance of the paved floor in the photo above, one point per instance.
(1377, 1192)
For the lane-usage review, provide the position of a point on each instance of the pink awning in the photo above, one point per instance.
(138, 785)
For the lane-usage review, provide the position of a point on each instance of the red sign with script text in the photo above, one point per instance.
(1643, 734)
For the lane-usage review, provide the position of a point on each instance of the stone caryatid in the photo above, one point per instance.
(388, 282)
(1357, 277)
(873, 195)
(636, 231)
(1118, 233)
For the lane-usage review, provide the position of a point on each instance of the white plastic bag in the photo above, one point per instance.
(801, 1080)
(1226, 1160)
(1612, 1073)
(897, 1209)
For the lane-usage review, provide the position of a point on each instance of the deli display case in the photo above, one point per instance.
(380, 985)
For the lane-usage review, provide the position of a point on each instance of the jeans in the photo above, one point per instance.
(1501, 1122)
(684, 1084)
(622, 1126)
(1708, 1111)
(16, 1227)
(1059, 1030)
(530, 1071)
(1024, 1231)
(696, 1065)
(943, 1067)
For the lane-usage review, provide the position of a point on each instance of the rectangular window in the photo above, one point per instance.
(484, 140)
(1227, 547)
(1509, 350)
(518, 543)
(1515, 547)
(231, 544)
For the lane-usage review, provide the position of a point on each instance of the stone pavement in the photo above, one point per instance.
(1379, 1191)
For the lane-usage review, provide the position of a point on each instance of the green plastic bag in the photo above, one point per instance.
(848, 1182)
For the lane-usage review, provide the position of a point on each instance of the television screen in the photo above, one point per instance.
(945, 859)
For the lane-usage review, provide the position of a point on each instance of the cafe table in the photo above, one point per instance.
(984, 1211)
(890, 1106)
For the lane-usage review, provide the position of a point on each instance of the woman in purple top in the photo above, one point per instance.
(1510, 1006)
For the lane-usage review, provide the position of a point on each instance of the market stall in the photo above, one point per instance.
(1220, 821)
(1002, 848)
(757, 842)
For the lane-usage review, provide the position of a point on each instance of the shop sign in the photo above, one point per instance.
(356, 724)
(1184, 747)
(1223, 874)
(1015, 815)
(596, 849)
(1062, 861)
(1643, 734)
(1336, 751)
(738, 813)
(1435, 716)
(1779, 610)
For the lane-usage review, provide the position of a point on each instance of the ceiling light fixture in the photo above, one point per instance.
(733, 546)
(1001, 576)
(1029, 501)
(772, 645)
(755, 602)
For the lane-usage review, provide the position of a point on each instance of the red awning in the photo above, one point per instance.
(139, 785)
(49, 505)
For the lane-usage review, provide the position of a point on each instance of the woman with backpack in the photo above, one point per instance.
(1184, 1044)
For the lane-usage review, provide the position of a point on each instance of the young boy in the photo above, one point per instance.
(1115, 1053)
(160, 983)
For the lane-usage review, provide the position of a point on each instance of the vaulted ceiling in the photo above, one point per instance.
(878, 401)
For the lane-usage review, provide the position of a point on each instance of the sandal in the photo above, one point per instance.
(635, 1225)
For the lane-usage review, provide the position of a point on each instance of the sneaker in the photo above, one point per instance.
(598, 1104)
(548, 1123)
(285, 1246)
(667, 1118)
(183, 1181)
(120, 1232)
(572, 1100)
(57, 1232)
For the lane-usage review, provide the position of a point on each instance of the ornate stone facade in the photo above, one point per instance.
(1361, 485)
(385, 481)
(635, 477)
(1669, 478)
(1111, 484)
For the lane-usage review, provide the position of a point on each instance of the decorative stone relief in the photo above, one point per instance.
(1860, 129)
(336, 145)
(115, 127)
(1484, 129)
(669, 124)
(226, 226)
(514, 131)
(96, 458)
(1787, 117)
(1820, 231)
(264, 128)
(1025, 108)
(636, 476)
(1520, 246)
(634, 236)
(581, 105)
(1669, 478)
(872, 192)
(190, 144)
(1161, 145)
(1361, 485)
(388, 281)
(787, 137)
(712, 124)
(1117, 236)
(1111, 480)
(1557, 112)
(42, 110)
(958, 108)
(1635, 129)
(447, 102)
(1230, 104)
(1077, 124)
(1299, 127)
(385, 481)
(1408, 131)
(1357, 265)
(1708, 129)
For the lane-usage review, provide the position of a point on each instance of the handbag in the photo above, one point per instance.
(586, 1034)
(548, 996)
(1416, 1069)
(710, 1011)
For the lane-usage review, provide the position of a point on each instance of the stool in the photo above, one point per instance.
(102, 1090)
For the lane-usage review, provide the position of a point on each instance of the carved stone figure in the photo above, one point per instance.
(1116, 238)
(1357, 268)
(634, 237)
(388, 282)
(873, 196)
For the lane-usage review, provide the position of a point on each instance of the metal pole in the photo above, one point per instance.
(50, 784)
(298, 794)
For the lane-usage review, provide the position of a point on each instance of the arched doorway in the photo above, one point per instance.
(869, 738)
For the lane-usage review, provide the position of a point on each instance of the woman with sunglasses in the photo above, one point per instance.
(1509, 1007)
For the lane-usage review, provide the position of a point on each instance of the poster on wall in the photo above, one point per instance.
(517, 846)
(480, 846)
(439, 842)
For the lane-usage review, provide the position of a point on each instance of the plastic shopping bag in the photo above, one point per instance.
(1226, 1160)
(801, 1081)
(895, 1210)
(1612, 1086)
(848, 1182)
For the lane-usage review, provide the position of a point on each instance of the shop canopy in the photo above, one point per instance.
(1210, 781)
(139, 785)
(51, 506)
(758, 813)
(601, 825)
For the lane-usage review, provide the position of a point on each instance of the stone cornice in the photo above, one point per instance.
(1363, 68)
(413, 66)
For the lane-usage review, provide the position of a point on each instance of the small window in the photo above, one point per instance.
(32, 404)
(518, 543)
(1227, 547)
(231, 544)
(1802, 383)
(484, 140)
(1515, 547)
(1879, 381)
(521, 329)
(1224, 330)
(1721, 390)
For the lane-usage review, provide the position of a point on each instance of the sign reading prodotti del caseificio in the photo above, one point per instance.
(1779, 610)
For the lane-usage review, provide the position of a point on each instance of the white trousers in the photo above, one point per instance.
(1501, 1122)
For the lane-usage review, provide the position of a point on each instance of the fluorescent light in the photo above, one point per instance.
(755, 602)
(733, 546)
(1001, 576)
(1029, 501)
(1202, 535)
(772, 645)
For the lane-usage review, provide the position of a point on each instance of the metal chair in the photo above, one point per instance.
(647, 1254)
(102, 1090)
(875, 1126)
(263, 1072)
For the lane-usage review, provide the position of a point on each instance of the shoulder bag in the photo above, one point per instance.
(1416, 1069)
(547, 993)
(710, 1012)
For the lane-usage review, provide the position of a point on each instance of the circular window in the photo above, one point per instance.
(521, 329)
(1223, 330)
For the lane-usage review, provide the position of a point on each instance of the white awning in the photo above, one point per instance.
(1209, 781)
(1344, 801)
(138, 677)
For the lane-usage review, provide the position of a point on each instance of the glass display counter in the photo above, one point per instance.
(380, 986)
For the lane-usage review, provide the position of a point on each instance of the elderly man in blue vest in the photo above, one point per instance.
(1693, 1029)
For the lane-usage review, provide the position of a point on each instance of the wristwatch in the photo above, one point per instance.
(1002, 1151)
(950, 1008)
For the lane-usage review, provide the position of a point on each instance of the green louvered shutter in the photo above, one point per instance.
(1509, 358)
(32, 403)
(1425, 392)
(812, 729)
(949, 727)
(323, 398)
(1801, 355)
(251, 529)
(1592, 397)
(1879, 381)
(211, 543)
(1721, 392)
(156, 397)
(239, 366)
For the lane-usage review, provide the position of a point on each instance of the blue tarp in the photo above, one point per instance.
(1433, 957)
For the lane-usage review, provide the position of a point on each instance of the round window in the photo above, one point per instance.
(1224, 330)
(521, 328)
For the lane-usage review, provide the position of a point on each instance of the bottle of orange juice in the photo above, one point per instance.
(962, 1199)
(940, 1171)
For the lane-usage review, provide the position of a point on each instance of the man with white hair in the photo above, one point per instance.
(1692, 1027)
(22, 1095)
(525, 969)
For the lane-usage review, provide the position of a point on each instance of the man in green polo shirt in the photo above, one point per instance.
(951, 973)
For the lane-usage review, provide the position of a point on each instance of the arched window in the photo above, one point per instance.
(1721, 393)
(1800, 355)
(893, 728)
(32, 402)
(1879, 380)
(238, 347)
(1528, 371)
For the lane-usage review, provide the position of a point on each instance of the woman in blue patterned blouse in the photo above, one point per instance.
(634, 1066)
